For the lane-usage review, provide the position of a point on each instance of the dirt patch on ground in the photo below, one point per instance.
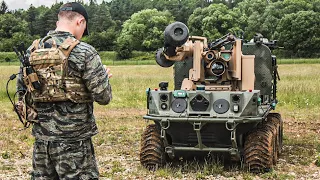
(118, 144)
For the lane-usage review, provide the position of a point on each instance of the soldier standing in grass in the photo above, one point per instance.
(65, 122)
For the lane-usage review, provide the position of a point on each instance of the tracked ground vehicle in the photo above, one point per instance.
(224, 92)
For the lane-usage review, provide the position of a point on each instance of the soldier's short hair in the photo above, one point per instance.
(72, 10)
(70, 15)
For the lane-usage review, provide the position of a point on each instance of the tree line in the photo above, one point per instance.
(127, 25)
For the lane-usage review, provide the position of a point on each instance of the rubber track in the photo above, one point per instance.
(276, 118)
(261, 147)
(152, 155)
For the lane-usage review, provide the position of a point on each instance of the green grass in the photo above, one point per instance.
(129, 83)
(8, 56)
(5, 73)
(140, 58)
(298, 88)
(299, 61)
(318, 160)
(121, 125)
(278, 176)
(107, 57)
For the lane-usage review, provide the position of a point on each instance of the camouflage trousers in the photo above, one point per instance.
(64, 160)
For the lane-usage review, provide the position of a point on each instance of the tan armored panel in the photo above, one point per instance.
(188, 85)
(235, 65)
(248, 77)
(195, 72)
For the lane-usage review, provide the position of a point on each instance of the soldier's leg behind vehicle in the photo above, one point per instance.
(43, 166)
(75, 160)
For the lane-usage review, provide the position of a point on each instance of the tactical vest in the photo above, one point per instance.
(51, 67)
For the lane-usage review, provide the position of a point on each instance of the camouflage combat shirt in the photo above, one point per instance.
(68, 121)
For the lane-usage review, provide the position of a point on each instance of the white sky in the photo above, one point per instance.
(25, 4)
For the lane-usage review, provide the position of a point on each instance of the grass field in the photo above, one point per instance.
(140, 58)
(121, 124)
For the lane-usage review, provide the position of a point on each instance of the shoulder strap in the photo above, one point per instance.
(43, 40)
(66, 48)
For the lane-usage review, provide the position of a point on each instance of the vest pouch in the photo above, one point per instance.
(43, 58)
(31, 79)
(52, 85)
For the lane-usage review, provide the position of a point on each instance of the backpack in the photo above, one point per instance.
(51, 69)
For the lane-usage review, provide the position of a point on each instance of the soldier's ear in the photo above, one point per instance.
(81, 21)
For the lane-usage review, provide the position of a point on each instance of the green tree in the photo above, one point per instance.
(10, 25)
(250, 12)
(38, 24)
(293, 6)
(143, 31)
(299, 33)
(47, 20)
(102, 41)
(121, 10)
(3, 7)
(139, 5)
(247, 7)
(12, 31)
(31, 19)
(214, 21)
(263, 16)
(19, 13)
(178, 8)
(92, 8)
(101, 20)
(103, 31)
(316, 5)
(181, 9)
(232, 3)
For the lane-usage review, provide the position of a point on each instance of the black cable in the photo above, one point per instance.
(12, 77)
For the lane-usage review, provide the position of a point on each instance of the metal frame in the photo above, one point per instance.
(198, 123)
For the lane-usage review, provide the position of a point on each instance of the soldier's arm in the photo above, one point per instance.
(96, 80)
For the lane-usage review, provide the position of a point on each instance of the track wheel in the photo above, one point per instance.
(276, 117)
(261, 146)
(152, 155)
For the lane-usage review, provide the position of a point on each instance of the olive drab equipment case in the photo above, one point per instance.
(51, 67)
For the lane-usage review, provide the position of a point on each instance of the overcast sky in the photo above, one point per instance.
(24, 4)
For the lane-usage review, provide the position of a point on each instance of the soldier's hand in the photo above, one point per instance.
(108, 71)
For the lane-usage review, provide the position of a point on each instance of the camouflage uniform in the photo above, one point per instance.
(63, 147)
